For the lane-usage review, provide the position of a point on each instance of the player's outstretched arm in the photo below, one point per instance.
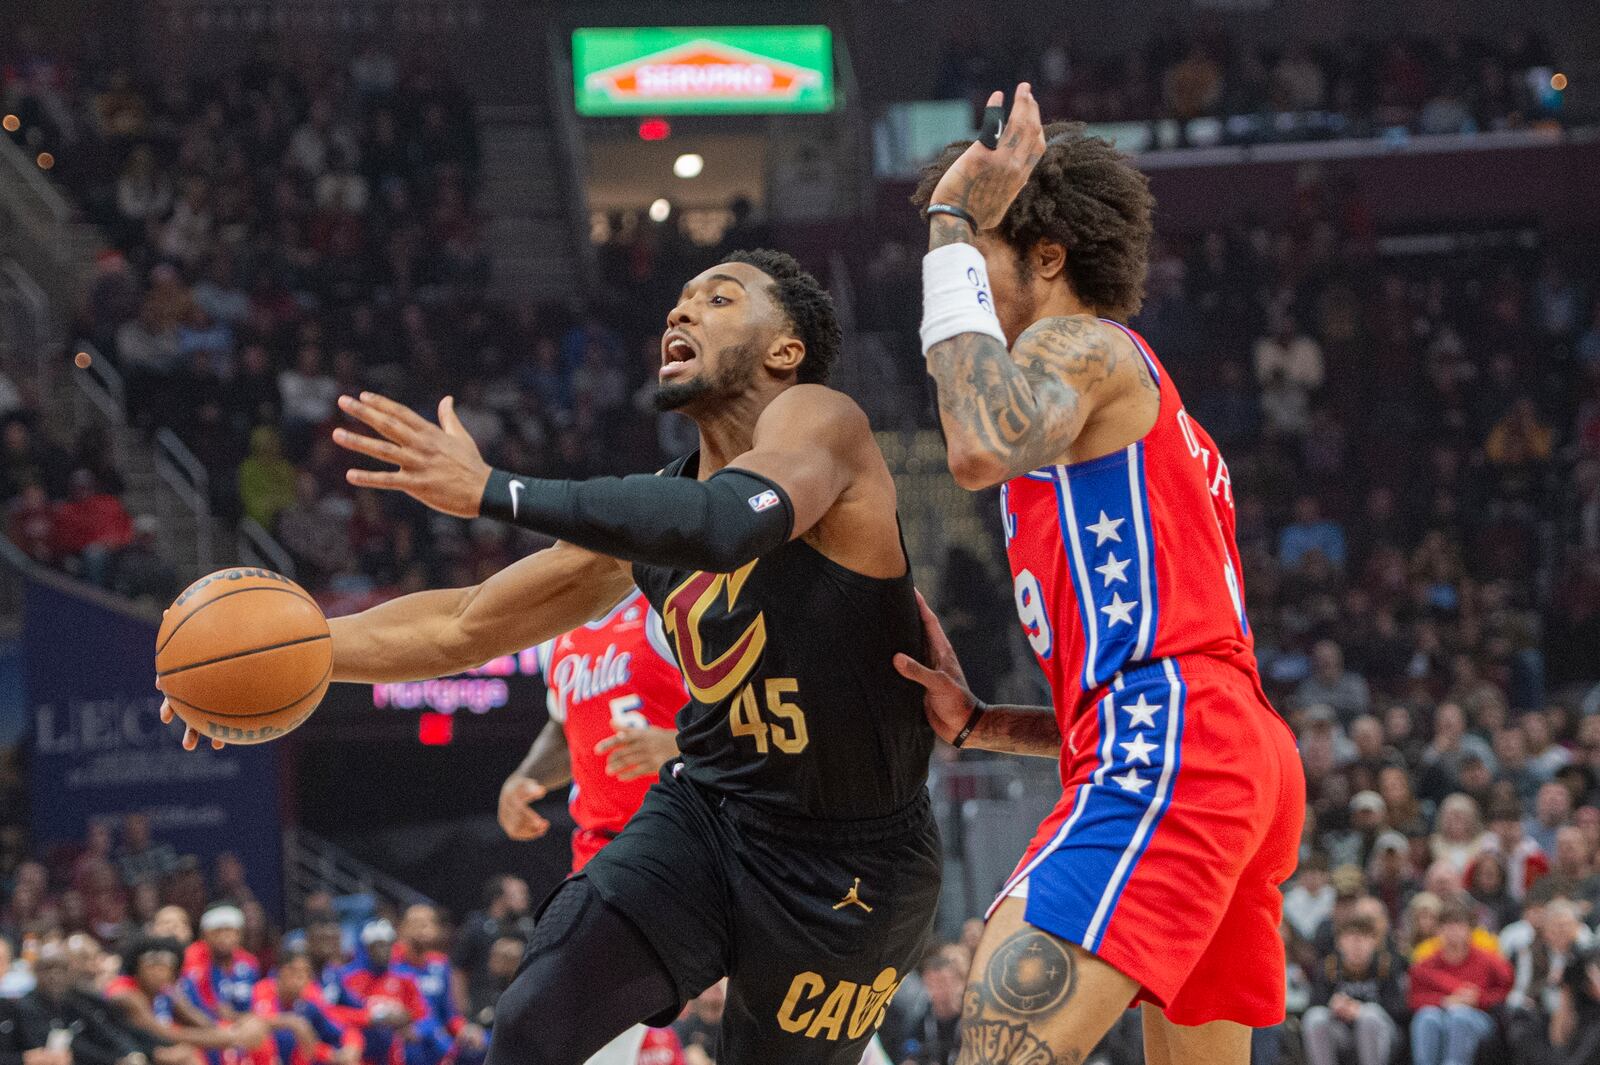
(435, 633)
(1004, 412)
(959, 718)
(805, 452)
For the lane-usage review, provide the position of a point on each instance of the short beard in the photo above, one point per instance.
(737, 367)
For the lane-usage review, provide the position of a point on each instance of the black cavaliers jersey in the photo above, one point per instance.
(794, 702)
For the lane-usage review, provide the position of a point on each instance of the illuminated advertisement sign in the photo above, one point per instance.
(706, 70)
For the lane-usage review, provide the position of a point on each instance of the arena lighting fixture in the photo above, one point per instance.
(46, 160)
(660, 211)
(688, 165)
(654, 129)
(1558, 81)
(11, 123)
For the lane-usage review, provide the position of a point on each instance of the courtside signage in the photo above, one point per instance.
(704, 70)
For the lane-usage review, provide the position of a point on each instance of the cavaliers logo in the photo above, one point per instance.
(712, 681)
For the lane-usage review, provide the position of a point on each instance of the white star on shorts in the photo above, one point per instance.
(1114, 569)
(1132, 781)
(1138, 749)
(1119, 611)
(1143, 713)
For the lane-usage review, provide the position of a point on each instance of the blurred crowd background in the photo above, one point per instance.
(1413, 434)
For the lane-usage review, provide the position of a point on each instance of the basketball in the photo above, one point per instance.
(244, 655)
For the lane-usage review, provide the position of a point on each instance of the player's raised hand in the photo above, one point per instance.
(947, 700)
(191, 738)
(638, 752)
(517, 817)
(438, 465)
(984, 180)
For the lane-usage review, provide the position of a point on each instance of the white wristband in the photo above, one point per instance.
(955, 296)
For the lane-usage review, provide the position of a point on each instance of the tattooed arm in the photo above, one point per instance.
(1007, 412)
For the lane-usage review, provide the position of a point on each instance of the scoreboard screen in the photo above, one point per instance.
(703, 70)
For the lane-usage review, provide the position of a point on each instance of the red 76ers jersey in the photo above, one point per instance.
(1128, 558)
(617, 672)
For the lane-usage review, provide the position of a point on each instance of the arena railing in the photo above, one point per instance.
(103, 386)
(28, 309)
(258, 548)
(312, 864)
(189, 481)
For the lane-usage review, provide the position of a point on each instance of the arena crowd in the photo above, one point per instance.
(1413, 442)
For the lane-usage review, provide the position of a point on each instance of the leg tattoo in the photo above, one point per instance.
(1029, 977)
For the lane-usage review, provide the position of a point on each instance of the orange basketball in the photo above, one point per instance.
(244, 655)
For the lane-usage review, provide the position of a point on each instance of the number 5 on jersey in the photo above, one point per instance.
(787, 733)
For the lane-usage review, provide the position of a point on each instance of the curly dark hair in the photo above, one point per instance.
(806, 304)
(1085, 195)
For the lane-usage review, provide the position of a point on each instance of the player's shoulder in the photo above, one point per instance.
(1080, 346)
(813, 414)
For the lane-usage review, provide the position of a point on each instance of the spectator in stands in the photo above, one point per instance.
(1552, 807)
(31, 523)
(1536, 986)
(1491, 901)
(1460, 837)
(307, 394)
(140, 570)
(1575, 1027)
(1309, 901)
(931, 1036)
(166, 1023)
(56, 1005)
(171, 922)
(302, 1032)
(219, 976)
(1330, 683)
(266, 478)
(394, 1006)
(1441, 760)
(90, 528)
(1311, 532)
(1357, 999)
(417, 956)
(16, 978)
(1451, 992)
(505, 913)
(699, 1029)
(26, 457)
(505, 956)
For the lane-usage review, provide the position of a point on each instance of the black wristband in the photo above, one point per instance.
(978, 710)
(953, 212)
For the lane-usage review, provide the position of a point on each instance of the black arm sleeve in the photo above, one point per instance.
(716, 525)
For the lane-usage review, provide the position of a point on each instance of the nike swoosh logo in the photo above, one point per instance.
(516, 487)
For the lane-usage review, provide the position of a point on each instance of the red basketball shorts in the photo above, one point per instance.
(1180, 816)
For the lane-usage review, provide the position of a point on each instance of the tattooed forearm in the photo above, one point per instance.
(1030, 976)
(1008, 412)
(1026, 730)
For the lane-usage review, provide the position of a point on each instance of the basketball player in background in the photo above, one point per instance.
(1156, 878)
(791, 846)
(613, 691)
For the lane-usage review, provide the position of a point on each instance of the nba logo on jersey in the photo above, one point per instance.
(765, 501)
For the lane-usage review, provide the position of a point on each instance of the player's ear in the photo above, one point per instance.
(1049, 258)
(785, 355)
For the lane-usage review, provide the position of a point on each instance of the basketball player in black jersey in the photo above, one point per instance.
(791, 848)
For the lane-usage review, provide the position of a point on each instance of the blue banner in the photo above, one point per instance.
(97, 748)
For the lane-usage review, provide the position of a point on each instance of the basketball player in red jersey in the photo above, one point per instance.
(614, 692)
(1156, 877)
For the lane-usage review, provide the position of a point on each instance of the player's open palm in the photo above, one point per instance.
(947, 700)
(984, 180)
(438, 465)
(518, 818)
